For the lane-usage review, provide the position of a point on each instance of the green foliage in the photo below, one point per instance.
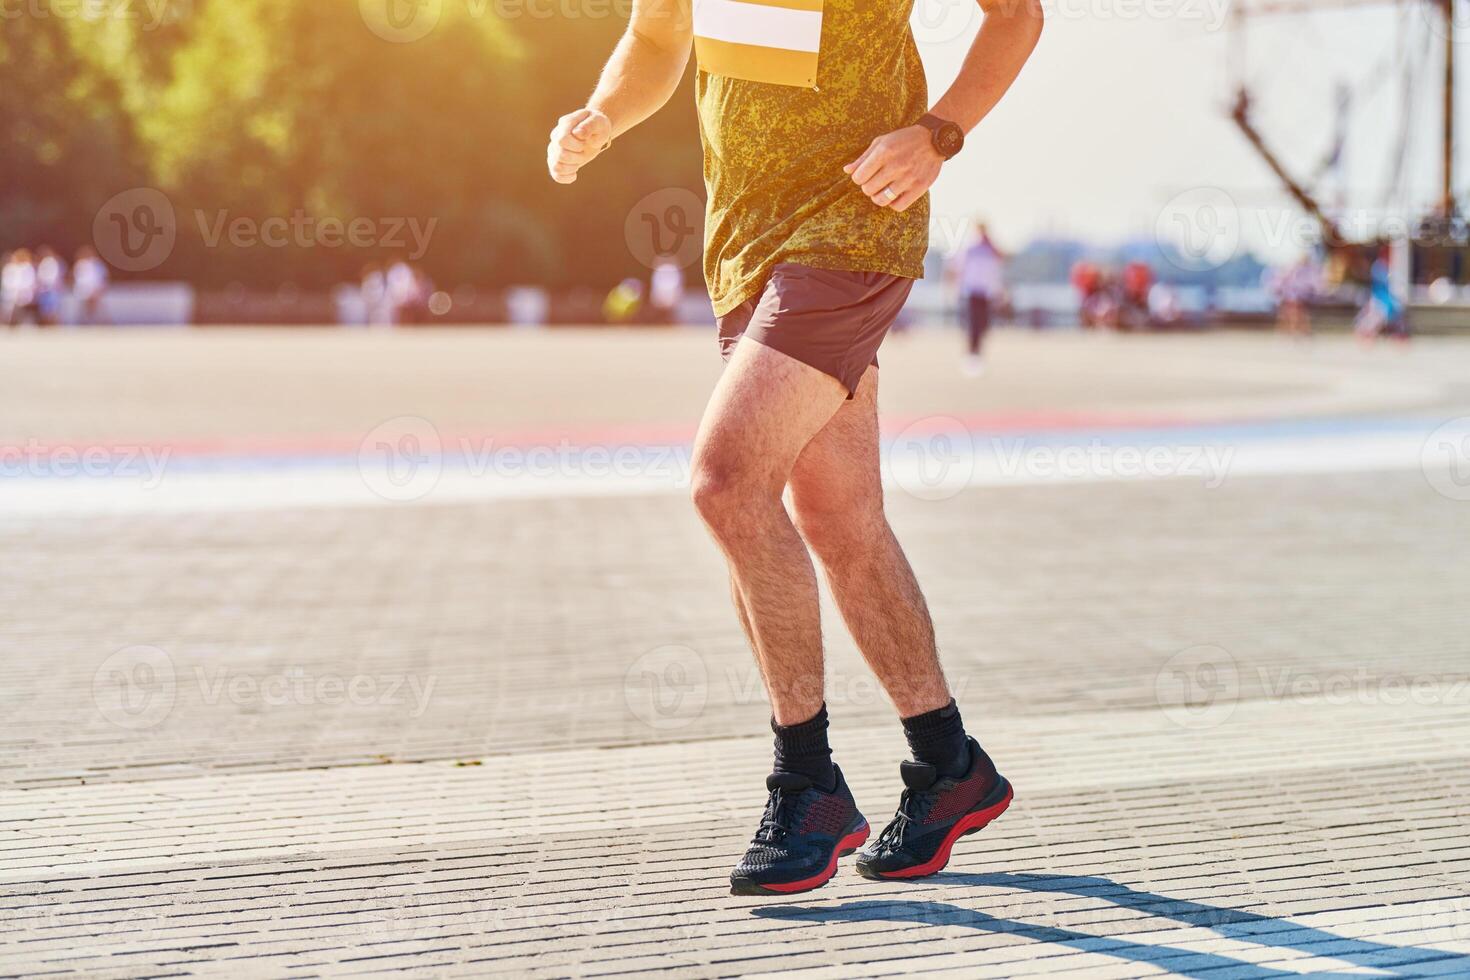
(68, 139)
(261, 109)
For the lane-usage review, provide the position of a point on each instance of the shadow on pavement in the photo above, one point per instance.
(1231, 923)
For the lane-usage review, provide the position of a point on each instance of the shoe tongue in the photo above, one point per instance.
(918, 775)
(793, 782)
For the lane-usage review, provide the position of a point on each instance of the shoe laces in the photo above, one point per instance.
(909, 806)
(776, 821)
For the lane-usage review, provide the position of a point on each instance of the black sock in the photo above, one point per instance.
(803, 749)
(938, 738)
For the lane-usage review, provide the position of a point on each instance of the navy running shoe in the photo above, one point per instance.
(802, 834)
(932, 814)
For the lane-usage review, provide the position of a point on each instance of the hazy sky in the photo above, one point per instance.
(1125, 105)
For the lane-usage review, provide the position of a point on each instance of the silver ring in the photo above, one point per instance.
(889, 195)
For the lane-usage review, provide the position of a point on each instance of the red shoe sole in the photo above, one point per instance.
(849, 843)
(968, 824)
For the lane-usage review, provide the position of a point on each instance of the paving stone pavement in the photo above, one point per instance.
(524, 737)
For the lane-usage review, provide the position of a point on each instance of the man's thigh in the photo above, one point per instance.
(766, 407)
(839, 469)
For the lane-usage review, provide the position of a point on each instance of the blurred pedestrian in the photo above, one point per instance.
(1092, 299)
(89, 284)
(1137, 281)
(1383, 313)
(50, 286)
(373, 291)
(1164, 307)
(18, 289)
(403, 292)
(665, 290)
(1293, 289)
(981, 272)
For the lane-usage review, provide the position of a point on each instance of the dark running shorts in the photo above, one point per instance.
(832, 320)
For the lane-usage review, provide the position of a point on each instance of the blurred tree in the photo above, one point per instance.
(586, 219)
(282, 109)
(69, 141)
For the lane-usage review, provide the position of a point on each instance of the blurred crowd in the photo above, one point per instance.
(1295, 288)
(396, 293)
(39, 288)
(1130, 299)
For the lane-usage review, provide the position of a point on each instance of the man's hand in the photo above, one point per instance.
(896, 169)
(578, 138)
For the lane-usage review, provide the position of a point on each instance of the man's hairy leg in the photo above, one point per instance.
(766, 407)
(744, 615)
(837, 500)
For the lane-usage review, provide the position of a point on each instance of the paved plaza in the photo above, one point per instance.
(328, 652)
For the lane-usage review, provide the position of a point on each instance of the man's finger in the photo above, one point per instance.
(872, 163)
(906, 199)
(881, 180)
(579, 156)
(887, 194)
(574, 119)
(861, 157)
(570, 122)
(558, 159)
(559, 154)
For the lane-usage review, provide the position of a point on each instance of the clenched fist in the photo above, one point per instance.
(578, 137)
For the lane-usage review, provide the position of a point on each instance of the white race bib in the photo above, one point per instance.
(775, 41)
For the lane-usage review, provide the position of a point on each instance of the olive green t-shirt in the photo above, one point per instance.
(774, 153)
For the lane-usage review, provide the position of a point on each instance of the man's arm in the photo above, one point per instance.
(905, 161)
(637, 80)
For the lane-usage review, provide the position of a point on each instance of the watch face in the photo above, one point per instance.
(948, 139)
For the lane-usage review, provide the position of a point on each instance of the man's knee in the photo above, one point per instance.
(725, 489)
(833, 519)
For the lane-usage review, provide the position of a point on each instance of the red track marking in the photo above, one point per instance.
(643, 434)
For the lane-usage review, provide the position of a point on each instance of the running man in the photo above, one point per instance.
(820, 146)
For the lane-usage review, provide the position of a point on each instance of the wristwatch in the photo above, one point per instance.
(948, 138)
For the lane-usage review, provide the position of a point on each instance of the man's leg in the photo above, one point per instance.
(766, 407)
(977, 307)
(837, 498)
(976, 321)
(984, 318)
